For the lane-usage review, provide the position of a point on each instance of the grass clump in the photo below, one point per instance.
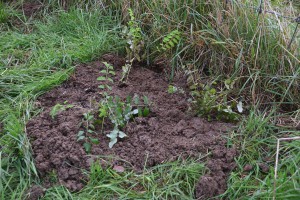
(31, 64)
(256, 139)
(176, 180)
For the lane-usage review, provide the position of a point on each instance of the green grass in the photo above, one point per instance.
(219, 42)
(32, 63)
(168, 181)
(256, 139)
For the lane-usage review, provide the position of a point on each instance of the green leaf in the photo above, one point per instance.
(146, 112)
(175, 40)
(108, 87)
(103, 112)
(87, 146)
(110, 67)
(80, 137)
(101, 86)
(177, 37)
(171, 43)
(137, 100)
(92, 126)
(113, 134)
(94, 140)
(103, 71)
(101, 78)
(109, 79)
(166, 39)
(122, 134)
(146, 100)
(69, 106)
(112, 72)
(112, 142)
(80, 133)
(128, 99)
(140, 112)
(172, 89)
(90, 131)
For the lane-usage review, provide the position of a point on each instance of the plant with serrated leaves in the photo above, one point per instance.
(170, 41)
(135, 40)
(120, 112)
(59, 108)
(88, 134)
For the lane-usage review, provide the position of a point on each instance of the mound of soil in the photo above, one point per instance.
(169, 132)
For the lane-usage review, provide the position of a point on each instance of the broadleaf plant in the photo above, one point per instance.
(86, 134)
(120, 113)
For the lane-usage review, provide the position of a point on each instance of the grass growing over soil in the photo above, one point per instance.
(34, 62)
(221, 42)
(169, 181)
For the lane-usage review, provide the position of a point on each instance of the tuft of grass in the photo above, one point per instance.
(228, 41)
(256, 139)
(31, 64)
(176, 180)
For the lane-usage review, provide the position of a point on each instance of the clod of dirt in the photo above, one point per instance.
(248, 168)
(264, 167)
(167, 133)
(35, 193)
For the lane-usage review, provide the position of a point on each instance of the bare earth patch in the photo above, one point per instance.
(169, 132)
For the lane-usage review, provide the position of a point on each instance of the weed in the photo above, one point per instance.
(173, 89)
(213, 105)
(59, 108)
(53, 178)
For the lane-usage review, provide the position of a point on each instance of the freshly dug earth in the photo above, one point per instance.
(168, 132)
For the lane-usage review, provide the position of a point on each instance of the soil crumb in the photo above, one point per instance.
(169, 132)
(35, 192)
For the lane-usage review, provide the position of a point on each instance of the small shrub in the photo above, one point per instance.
(86, 134)
(120, 113)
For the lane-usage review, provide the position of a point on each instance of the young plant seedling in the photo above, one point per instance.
(85, 135)
(120, 113)
(135, 40)
(109, 70)
(59, 108)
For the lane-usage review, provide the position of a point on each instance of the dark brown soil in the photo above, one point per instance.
(31, 7)
(169, 132)
(35, 193)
